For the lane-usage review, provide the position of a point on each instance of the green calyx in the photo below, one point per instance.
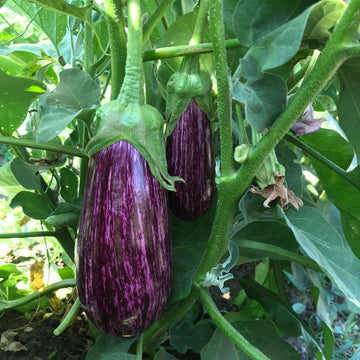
(242, 152)
(267, 171)
(141, 126)
(187, 83)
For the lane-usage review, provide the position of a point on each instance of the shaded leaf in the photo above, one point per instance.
(264, 100)
(9, 186)
(16, 95)
(323, 244)
(68, 185)
(187, 336)
(163, 355)
(348, 102)
(70, 92)
(34, 205)
(272, 30)
(64, 215)
(189, 243)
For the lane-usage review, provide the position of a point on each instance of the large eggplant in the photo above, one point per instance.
(124, 255)
(190, 155)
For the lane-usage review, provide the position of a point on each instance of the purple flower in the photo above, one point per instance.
(307, 124)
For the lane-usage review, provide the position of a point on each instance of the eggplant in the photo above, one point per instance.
(123, 251)
(189, 151)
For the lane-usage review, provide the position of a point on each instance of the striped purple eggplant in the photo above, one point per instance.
(190, 155)
(124, 255)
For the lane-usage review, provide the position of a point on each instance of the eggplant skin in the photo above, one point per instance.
(190, 155)
(123, 250)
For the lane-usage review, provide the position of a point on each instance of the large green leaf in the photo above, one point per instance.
(51, 23)
(109, 347)
(34, 205)
(323, 17)
(348, 102)
(264, 100)
(272, 29)
(187, 336)
(189, 243)
(163, 355)
(280, 313)
(322, 243)
(16, 95)
(9, 186)
(343, 194)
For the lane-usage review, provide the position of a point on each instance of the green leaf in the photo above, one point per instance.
(16, 95)
(8, 269)
(55, 121)
(348, 102)
(62, 7)
(9, 66)
(293, 170)
(271, 345)
(322, 243)
(189, 240)
(35, 206)
(163, 355)
(70, 92)
(264, 100)
(51, 23)
(68, 185)
(323, 17)
(220, 347)
(280, 313)
(272, 30)
(9, 186)
(107, 345)
(343, 194)
(187, 336)
(28, 175)
(64, 215)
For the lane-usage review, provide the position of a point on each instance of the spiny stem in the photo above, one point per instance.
(186, 50)
(228, 329)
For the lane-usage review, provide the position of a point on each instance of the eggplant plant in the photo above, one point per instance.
(183, 151)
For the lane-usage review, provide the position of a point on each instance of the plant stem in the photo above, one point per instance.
(68, 318)
(198, 33)
(88, 39)
(218, 240)
(277, 252)
(315, 154)
(243, 133)
(171, 317)
(279, 280)
(222, 78)
(186, 50)
(228, 329)
(62, 149)
(23, 235)
(327, 64)
(155, 18)
(46, 290)
(117, 38)
(139, 347)
(131, 91)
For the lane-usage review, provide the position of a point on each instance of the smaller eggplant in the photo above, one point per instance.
(190, 156)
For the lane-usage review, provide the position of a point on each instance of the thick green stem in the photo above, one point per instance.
(117, 38)
(23, 235)
(228, 329)
(46, 290)
(62, 149)
(171, 317)
(155, 18)
(88, 39)
(315, 154)
(327, 64)
(201, 19)
(131, 91)
(277, 252)
(222, 78)
(186, 50)
(68, 318)
(139, 347)
(218, 241)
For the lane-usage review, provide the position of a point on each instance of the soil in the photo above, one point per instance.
(34, 338)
